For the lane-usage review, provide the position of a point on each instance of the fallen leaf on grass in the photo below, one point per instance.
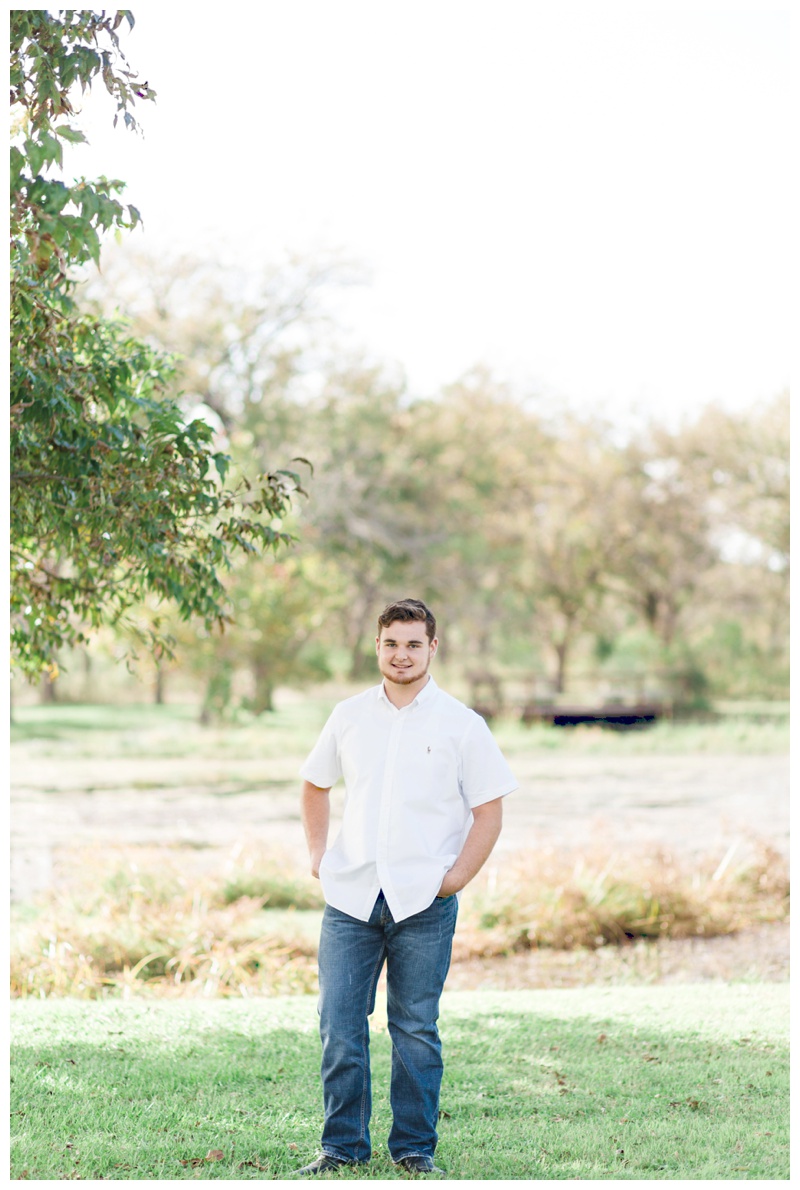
(603, 1037)
(211, 1155)
(253, 1165)
(293, 1146)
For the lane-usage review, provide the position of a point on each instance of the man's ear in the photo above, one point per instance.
(434, 646)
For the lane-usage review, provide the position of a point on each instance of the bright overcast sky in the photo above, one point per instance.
(592, 200)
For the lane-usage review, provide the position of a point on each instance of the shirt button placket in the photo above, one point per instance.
(384, 821)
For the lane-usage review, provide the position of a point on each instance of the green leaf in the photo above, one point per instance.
(222, 463)
(17, 162)
(73, 135)
(92, 244)
(36, 156)
(54, 199)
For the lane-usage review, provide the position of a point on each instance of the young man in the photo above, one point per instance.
(424, 782)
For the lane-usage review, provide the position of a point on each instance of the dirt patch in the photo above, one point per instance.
(755, 955)
(692, 804)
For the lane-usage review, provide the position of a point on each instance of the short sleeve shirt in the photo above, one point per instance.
(412, 777)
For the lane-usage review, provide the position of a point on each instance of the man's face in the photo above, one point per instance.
(404, 651)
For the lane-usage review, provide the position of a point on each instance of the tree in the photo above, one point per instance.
(276, 606)
(245, 337)
(665, 525)
(115, 495)
(480, 449)
(744, 459)
(370, 512)
(566, 538)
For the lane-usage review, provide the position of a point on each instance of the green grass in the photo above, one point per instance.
(173, 731)
(168, 731)
(607, 1084)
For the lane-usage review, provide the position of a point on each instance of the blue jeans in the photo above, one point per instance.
(351, 955)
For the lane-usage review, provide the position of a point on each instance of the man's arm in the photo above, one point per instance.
(488, 819)
(315, 810)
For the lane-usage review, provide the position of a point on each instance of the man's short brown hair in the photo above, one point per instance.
(406, 610)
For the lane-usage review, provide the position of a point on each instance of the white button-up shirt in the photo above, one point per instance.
(412, 777)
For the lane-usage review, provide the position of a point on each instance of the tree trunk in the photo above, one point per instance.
(358, 661)
(158, 691)
(217, 696)
(669, 622)
(561, 647)
(263, 696)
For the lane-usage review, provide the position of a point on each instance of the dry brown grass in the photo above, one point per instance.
(565, 900)
(118, 927)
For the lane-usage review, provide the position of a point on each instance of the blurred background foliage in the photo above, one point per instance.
(560, 552)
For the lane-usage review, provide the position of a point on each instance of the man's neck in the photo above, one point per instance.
(403, 695)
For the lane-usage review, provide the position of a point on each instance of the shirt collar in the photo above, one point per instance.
(425, 695)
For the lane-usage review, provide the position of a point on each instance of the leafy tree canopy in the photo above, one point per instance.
(114, 495)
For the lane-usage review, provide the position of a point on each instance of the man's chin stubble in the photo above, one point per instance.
(404, 681)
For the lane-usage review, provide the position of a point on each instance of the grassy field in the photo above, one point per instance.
(181, 1062)
(606, 1084)
(228, 907)
(174, 730)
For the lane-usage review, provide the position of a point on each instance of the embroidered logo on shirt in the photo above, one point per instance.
(429, 747)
